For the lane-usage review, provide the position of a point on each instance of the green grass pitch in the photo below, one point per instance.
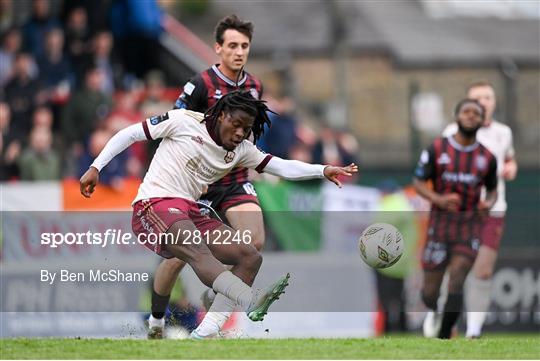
(396, 347)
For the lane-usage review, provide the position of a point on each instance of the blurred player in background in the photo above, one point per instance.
(459, 167)
(197, 150)
(234, 196)
(497, 138)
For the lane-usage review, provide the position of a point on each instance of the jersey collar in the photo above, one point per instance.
(227, 80)
(461, 148)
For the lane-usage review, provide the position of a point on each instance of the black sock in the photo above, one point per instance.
(159, 304)
(452, 310)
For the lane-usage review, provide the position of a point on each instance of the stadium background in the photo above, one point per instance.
(376, 80)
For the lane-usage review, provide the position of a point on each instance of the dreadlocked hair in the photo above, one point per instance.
(241, 100)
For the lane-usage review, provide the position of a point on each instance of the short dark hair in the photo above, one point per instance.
(235, 23)
(241, 100)
(462, 102)
(480, 83)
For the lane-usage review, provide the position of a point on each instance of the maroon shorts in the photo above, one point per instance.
(155, 216)
(436, 254)
(492, 232)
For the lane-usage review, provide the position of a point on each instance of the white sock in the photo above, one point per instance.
(477, 301)
(217, 315)
(234, 288)
(156, 322)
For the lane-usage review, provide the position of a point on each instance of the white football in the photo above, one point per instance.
(381, 245)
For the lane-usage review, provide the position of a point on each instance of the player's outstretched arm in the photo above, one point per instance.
(119, 142)
(296, 170)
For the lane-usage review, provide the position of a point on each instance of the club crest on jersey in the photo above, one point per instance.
(198, 139)
(481, 162)
(254, 93)
(218, 94)
(229, 157)
(155, 120)
(443, 159)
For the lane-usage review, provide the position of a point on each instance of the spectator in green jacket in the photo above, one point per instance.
(40, 162)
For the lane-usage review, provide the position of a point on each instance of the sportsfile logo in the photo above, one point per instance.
(100, 239)
(113, 237)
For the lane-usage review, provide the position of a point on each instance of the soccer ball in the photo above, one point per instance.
(381, 245)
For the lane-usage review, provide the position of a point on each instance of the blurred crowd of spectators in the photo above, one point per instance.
(67, 86)
(70, 81)
(296, 134)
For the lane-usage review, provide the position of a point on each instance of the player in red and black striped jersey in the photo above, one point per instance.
(457, 171)
(233, 196)
(202, 91)
(458, 167)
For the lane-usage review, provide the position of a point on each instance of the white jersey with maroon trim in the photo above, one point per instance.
(188, 159)
(497, 138)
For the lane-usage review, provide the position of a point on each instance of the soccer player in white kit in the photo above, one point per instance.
(197, 150)
(497, 138)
